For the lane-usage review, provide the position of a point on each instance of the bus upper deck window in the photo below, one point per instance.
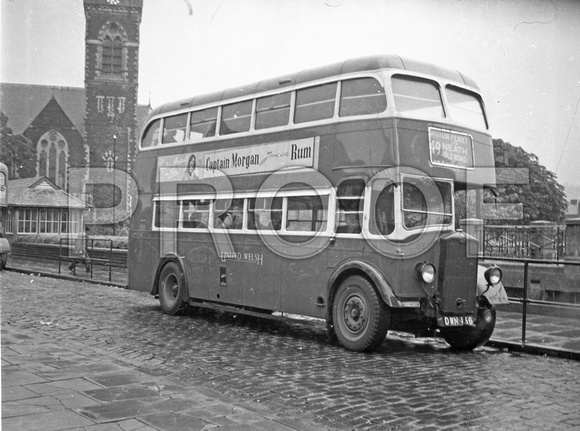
(417, 97)
(174, 128)
(236, 118)
(151, 136)
(362, 96)
(273, 111)
(465, 107)
(315, 103)
(203, 123)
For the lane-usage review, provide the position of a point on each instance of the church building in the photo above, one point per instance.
(94, 126)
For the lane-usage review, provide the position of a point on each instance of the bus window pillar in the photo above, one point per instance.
(473, 227)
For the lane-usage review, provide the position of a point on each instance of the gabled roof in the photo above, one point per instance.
(40, 192)
(22, 103)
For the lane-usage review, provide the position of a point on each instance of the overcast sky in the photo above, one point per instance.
(524, 54)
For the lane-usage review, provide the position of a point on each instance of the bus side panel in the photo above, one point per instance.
(140, 258)
(139, 262)
(225, 276)
(196, 251)
(303, 289)
(262, 279)
(400, 273)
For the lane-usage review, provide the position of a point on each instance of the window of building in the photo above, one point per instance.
(27, 220)
(236, 118)
(65, 222)
(315, 103)
(52, 158)
(100, 104)
(112, 51)
(417, 97)
(350, 204)
(362, 96)
(203, 123)
(48, 220)
(273, 111)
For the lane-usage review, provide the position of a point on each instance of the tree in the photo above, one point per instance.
(16, 151)
(542, 197)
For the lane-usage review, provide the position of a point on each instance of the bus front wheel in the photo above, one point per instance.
(360, 317)
(172, 289)
(472, 337)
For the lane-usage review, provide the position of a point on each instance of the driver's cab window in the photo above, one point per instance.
(384, 211)
(426, 202)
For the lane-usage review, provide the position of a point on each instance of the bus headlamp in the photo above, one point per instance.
(425, 272)
(493, 275)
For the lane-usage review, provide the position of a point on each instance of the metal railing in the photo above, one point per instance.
(525, 300)
(89, 255)
(532, 242)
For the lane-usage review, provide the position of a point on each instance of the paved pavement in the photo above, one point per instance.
(81, 356)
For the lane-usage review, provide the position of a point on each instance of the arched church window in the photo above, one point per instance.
(112, 52)
(52, 158)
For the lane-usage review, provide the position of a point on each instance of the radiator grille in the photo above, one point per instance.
(457, 275)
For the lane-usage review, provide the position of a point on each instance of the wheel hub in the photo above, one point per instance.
(354, 313)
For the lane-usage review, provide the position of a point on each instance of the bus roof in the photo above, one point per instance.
(360, 64)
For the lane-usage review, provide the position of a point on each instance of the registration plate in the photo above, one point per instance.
(455, 320)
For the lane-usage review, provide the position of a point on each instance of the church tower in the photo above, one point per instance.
(111, 81)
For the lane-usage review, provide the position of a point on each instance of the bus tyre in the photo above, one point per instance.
(172, 289)
(472, 337)
(360, 317)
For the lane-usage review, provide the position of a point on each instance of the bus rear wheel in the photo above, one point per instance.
(172, 289)
(360, 317)
(472, 337)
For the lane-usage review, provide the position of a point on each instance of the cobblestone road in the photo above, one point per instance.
(405, 384)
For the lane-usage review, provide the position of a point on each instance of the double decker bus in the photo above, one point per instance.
(326, 194)
(4, 244)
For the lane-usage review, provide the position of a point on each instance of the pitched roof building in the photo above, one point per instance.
(38, 206)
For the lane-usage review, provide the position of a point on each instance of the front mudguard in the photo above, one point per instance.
(495, 294)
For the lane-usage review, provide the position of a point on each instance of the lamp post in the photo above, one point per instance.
(114, 173)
